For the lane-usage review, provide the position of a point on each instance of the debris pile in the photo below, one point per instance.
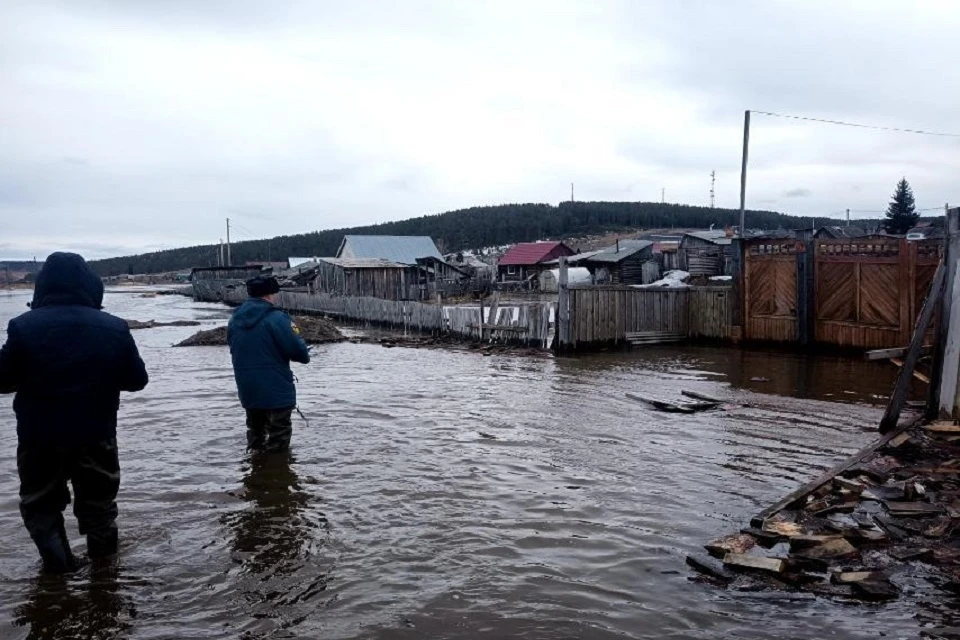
(448, 343)
(860, 532)
(151, 324)
(313, 329)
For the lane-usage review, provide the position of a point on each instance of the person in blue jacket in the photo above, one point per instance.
(263, 341)
(67, 361)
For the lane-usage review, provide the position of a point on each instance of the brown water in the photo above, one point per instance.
(396, 518)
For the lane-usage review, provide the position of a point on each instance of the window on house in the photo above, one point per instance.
(512, 269)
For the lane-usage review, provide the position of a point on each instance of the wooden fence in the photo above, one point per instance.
(606, 315)
(527, 324)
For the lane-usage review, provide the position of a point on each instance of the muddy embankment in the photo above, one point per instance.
(314, 330)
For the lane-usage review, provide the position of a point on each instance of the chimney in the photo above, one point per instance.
(618, 245)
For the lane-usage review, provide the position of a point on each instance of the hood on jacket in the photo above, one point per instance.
(251, 312)
(66, 279)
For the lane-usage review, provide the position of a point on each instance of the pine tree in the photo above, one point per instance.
(901, 214)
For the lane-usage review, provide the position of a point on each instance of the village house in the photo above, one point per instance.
(388, 267)
(527, 260)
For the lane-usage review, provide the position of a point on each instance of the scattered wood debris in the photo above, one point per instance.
(671, 407)
(890, 511)
(313, 329)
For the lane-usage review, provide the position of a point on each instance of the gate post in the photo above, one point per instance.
(948, 349)
(805, 277)
(738, 289)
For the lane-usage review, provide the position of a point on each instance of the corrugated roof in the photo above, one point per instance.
(528, 253)
(364, 263)
(402, 249)
(718, 236)
(610, 254)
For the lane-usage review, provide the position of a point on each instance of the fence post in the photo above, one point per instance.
(563, 308)
(805, 266)
(949, 347)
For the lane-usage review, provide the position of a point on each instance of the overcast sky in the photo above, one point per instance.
(130, 126)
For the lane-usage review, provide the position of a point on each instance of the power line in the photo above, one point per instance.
(860, 126)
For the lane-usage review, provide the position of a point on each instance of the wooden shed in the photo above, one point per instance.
(706, 253)
(621, 263)
(372, 277)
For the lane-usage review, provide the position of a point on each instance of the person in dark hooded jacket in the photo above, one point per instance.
(263, 341)
(67, 361)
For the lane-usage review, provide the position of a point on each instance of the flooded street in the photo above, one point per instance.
(447, 495)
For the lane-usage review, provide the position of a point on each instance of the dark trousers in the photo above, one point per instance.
(269, 429)
(94, 471)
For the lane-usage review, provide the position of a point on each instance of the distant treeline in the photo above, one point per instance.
(472, 228)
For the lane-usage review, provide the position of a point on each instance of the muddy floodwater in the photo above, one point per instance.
(440, 494)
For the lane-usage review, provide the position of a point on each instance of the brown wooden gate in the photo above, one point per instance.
(868, 291)
(770, 289)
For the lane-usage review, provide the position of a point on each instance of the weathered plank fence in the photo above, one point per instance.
(607, 315)
(528, 324)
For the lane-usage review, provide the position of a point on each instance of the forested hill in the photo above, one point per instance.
(472, 228)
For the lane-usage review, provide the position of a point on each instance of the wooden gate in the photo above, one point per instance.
(869, 290)
(770, 289)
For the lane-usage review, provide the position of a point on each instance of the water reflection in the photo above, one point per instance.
(59, 607)
(276, 540)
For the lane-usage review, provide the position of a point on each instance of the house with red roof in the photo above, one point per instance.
(527, 259)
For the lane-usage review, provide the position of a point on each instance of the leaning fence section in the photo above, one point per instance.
(524, 324)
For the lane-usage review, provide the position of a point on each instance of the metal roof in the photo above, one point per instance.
(402, 249)
(364, 263)
(717, 236)
(610, 254)
(529, 253)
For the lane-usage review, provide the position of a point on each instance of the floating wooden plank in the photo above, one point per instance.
(837, 548)
(734, 543)
(897, 352)
(898, 441)
(744, 561)
(942, 427)
(710, 568)
(875, 590)
(805, 542)
(696, 395)
(763, 537)
(781, 527)
(668, 407)
(908, 554)
(849, 485)
(912, 508)
(813, 485)
(849, 577)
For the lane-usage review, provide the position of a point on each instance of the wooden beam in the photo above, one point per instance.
(916, 374)
(951, 253)
(892, 414)
(896, 352)
(951, 353)
(813, 485)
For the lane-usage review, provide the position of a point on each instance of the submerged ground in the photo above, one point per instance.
(448, 495)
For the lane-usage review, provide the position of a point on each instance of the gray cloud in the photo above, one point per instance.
(137, 125)
(799, 192)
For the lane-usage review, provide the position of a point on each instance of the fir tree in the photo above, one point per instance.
(901, 214)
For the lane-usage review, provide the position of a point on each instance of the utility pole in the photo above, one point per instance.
(848, 217)
(228, 243)
(220, 255)
(713, 183)
(743, 172)
(571, 192)
(663, 195)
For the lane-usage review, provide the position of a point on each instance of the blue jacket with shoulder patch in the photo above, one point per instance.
(263, 342)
